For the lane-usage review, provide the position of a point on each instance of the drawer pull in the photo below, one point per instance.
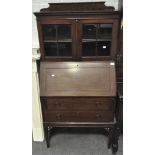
(98, 115)
(58, 116)
(98, 104)
(56, 103)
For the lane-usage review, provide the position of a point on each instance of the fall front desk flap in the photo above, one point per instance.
(77, 79)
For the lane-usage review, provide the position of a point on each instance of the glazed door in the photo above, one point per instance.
(58, 39)
(97, 39)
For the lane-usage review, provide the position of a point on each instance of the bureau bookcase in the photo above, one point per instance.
(78, 45)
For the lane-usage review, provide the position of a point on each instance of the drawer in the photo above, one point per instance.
(80, 104)
(78, 116)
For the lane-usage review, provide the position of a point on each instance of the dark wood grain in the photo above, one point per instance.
(119, 110)
(77, 7)
(77, 14)
(78, 116)
(83, 103)
(77, 79)
(119, 64)
(78, 90)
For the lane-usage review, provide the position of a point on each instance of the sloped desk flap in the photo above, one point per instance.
(77, 79)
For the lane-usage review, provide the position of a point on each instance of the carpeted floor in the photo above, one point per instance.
(75, 141)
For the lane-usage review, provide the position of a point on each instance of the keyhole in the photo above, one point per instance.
(53, 75)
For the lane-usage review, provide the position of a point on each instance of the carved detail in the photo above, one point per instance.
(78, 7)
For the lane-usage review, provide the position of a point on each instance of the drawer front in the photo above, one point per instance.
(80, 104)
(78, 116)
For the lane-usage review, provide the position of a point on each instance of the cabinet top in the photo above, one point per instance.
(74, 8)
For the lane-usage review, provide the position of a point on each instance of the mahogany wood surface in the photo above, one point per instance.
(83, 103)
(78, 90)
(83, 7)
(119, 66)
(77, 79)
(78, 116)
(77, 14)
(120, 105)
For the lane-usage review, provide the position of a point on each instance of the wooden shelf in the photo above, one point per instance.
(95, 40)
(89, 40)
(59, 41)
(104, 39)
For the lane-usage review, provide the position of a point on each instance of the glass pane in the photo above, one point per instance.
(88, 48)
(65, 49)
(104, 48)
(50, 49)
(49, 32)
(64, 32)
(105, 31)
(89, 31)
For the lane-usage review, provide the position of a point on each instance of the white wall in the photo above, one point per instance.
(39, 4)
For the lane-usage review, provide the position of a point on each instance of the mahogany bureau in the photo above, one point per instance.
(78, 44)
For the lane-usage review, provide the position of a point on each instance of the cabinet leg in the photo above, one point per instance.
(114, 147)
(115, 137)
(47, 135)
(110, 139)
